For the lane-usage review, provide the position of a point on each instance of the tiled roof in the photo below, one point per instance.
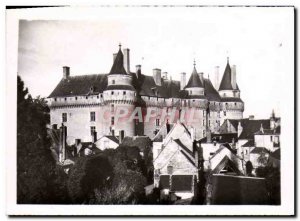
(194, 80)
(182, 183)
(210, 92)
(118, 65)
(249, 126)
(164, 181)
(113, 138)
(259, 150)
(120, 87)
(249, 143)
(80, 85)
(231, 99)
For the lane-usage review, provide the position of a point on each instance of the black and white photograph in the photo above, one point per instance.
(150, 110)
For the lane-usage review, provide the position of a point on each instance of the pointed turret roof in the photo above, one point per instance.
(226, 80)
(194, 80)
(118, 65)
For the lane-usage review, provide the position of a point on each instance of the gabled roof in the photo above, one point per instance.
(118, 65)
(194, 80)
(249, 143)
(80, 85)
(258, 150)
(226, 80)
(249, 126)
(112, 138)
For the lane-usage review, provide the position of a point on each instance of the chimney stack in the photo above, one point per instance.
(126, 60)
(157, 76)
(114, 56)
(217, 77)
(182, 80)
(66, 72)
(165, 75)
(233, 77)
(251, 117)
(138, 71)
(201, 77)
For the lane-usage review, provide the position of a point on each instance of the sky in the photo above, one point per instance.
(259, 41)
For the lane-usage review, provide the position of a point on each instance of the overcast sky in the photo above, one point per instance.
(259, 41)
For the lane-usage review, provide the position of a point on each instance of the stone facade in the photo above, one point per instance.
(88, 105)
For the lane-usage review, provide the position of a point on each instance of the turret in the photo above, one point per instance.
(232, 105)
(120, 96)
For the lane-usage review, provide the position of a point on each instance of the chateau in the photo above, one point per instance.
(87, 105)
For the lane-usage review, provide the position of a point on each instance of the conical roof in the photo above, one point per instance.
(226, 80)
(118, 65)
(194, 80)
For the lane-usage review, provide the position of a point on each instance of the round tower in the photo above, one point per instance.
(232, 106)
(195, 105)
(119, 97)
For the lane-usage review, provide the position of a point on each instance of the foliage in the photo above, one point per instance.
(272, 175)
(36, 169)
(87, 174)
(249, 168)
(128, 182)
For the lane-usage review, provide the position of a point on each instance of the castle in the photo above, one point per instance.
(88, 105)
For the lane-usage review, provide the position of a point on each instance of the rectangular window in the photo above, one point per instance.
(93, 116)
(93, 130)
(271, 138)
(112, 121)
(112, 108)
(112, 93)
(64, 117)
(157, 122)
(124, 92)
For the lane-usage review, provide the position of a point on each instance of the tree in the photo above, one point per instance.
(37, 180)
(128, 182)
(87, 174)
(249, 168)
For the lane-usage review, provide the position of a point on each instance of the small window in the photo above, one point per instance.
(65, 98)
(224, 113)
(92, 116)
(112, 121)
(113, 82)
(203, 123)
(157, 122)
(112, 93)
(209, 123)
(190, 92)
(76, 98)
(93, 130)
(64, 117)
(235, 104)
(224, 95)
(170, 169)
(112, 107)
(86, 97)
(55, 99)
(97, 96)
(124, 92)
(271, 138)
(101, 95)
(193, 100)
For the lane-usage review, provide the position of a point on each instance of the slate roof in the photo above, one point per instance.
(231, 99)
(194, 80)
(142, 142)
(118, 65)
(181, 183)
(258, 150)
(120, 87)
(221, 138)
(113, 138)
(210, 92)
(266, 132)
(226, 80)
(80, 85)
(276, 154)
(249, 143)
(249, 126)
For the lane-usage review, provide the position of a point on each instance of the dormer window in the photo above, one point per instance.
(92, 89)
